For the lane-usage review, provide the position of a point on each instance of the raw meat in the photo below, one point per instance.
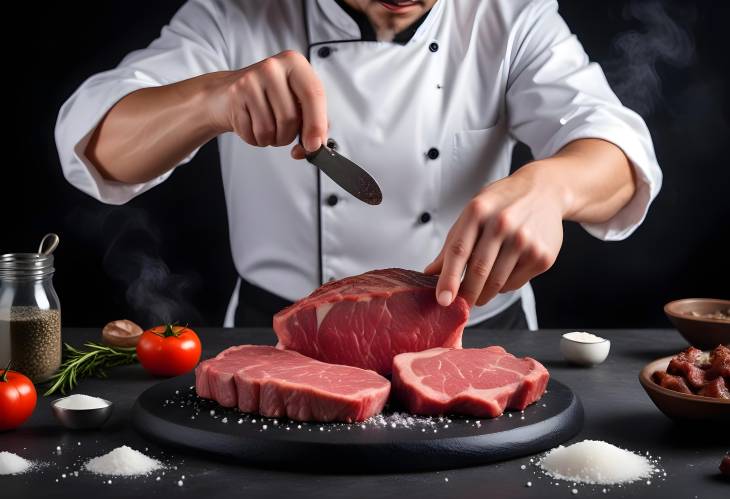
(719, 362)
(690, 365)
(715, 389)
(725, 465)
(366, 320)
(278, 383)
(696, 372)
(671, 382)
(479, 382)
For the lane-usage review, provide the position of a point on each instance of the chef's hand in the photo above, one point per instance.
(508, 233)
(271, 102)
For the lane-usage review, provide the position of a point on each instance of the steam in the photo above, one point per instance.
(133, 258)
(660, 39)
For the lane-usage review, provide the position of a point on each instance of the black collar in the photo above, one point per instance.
(367, 33)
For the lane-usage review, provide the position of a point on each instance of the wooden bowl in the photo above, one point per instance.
(703, 333)
(681, 406)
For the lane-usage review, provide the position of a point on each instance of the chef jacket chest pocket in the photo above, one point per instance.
(478, 157)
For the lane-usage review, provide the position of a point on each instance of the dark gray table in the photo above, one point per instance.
(617, 410)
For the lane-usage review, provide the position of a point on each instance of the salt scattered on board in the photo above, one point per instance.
(123, 461)
(79, 402)
(13, 464)
(595, 462)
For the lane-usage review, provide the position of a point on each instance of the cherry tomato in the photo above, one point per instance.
(17, 399)
(168, 350)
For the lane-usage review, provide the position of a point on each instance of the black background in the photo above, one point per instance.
(178, 231)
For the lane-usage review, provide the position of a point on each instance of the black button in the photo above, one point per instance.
(332, 199)
(324, 52)
(330, 279)
(432, 153)
(433, 47)
(425, 217)
(331, 144)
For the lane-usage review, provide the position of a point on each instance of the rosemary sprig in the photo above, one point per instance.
(92, 362)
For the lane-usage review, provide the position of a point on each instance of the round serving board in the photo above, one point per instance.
(172, 414)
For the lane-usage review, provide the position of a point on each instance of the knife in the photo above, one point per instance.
(347, 175)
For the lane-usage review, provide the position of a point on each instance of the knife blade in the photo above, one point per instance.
(347, 175)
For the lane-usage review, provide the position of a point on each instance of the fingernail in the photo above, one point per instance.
(444, 298)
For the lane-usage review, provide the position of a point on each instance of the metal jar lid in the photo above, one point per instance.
(25, 265)
(13, 265)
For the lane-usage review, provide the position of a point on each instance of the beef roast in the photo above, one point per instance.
(366, 320)
(479, 382)
(278, 383)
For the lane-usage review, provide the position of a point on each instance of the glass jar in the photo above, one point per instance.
(30, 315)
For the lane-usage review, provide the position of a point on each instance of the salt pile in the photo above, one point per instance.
(123, 461)
(595, 462)
(81, 402)
(583, 337)
(13, 464)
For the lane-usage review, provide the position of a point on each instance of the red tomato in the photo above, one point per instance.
(17, 399)
(168, 350)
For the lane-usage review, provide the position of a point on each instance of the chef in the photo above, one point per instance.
(428, 96)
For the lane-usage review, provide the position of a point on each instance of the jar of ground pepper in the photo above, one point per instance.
(30, 313)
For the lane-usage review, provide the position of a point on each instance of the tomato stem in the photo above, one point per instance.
(4, 377)
(170, 331)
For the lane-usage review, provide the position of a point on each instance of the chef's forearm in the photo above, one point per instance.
(592, 178)
(151, 130)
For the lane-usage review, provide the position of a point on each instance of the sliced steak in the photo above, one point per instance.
(366, 320)
(479, 382)
(284, 383)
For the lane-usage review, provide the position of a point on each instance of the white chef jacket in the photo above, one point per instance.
(433, 120)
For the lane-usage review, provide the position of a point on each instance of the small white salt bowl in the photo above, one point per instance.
(82, 419)
(584, 349)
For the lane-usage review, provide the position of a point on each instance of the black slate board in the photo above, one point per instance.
(170, 413)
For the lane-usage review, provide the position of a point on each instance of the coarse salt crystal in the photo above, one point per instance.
(13, 464)
(123, 461)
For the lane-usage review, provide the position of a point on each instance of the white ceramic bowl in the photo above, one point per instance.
(584, 353)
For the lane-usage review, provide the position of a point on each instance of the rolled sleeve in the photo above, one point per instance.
(555, 95)
(191, 45)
